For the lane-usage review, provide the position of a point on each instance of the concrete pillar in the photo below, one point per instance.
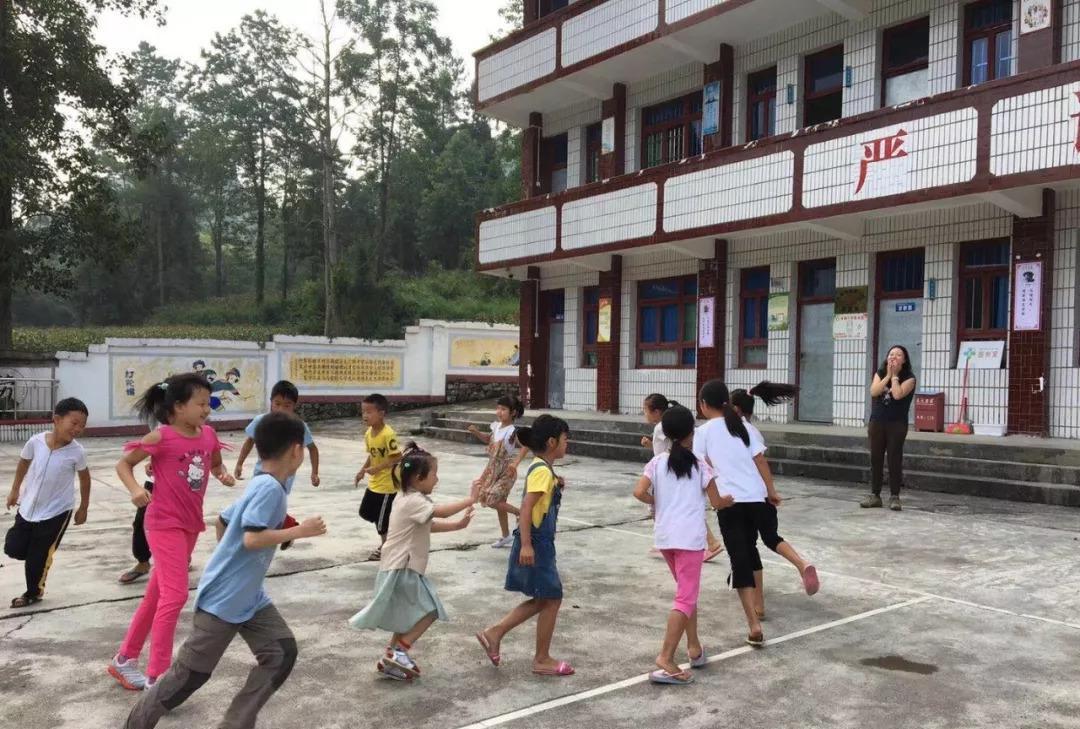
(712, 281)
(614, 163)
(528, 329)
(607, 353)
(1041, 48)
(724, 72)
(530, 156)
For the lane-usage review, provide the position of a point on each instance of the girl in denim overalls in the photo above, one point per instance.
(532, 569)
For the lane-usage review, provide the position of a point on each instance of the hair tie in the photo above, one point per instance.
(163, 385)
(406, 464)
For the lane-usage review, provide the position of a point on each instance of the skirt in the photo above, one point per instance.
(541, 580)
(402, 599)
(496, 482)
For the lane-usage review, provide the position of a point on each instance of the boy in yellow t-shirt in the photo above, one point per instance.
(383, 454)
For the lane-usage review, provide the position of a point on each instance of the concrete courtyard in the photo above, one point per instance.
(956, 613)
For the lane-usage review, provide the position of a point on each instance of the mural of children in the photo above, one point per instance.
(198, 366)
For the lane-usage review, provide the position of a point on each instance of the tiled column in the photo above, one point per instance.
(724, 72)
(530, 10)
(530, 156)
(607, 353)
(1041, 48)
(614, 163)
(712, 281)
(528, 328)
(1029, 351)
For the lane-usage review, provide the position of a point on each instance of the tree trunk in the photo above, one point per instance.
(216, 230)
(331, 255)
(286, 234)
(160, 240)
(260, 223)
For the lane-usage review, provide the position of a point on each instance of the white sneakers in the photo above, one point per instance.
(127, 673)
(503, 542)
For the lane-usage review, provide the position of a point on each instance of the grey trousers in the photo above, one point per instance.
(269, 639)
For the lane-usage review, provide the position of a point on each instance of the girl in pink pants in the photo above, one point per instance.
(676, 483)
(183, 452)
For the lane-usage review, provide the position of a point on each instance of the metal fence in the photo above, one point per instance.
(23, 398)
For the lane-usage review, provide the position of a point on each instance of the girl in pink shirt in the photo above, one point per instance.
(183, 453)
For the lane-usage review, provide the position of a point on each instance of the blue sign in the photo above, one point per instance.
(710, 114)
(909, 306)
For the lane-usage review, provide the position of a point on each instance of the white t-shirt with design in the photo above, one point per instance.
(49, 487)
(678, 522)
(503, 434)
(732, 460)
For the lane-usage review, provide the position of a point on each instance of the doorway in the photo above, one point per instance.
(817, 294)
(549, 383)
(900, 305)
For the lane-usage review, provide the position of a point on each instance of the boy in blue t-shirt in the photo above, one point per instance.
(231, 598)
(283, 399)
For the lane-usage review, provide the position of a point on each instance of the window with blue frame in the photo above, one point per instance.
(671, 131)
(987, 40)
(667, 322)
(984, 290)
(590, 319)
(754, 318)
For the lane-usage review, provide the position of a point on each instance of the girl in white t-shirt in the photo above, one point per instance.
(737, 456)
(45, 494)
(675, 484)
(771, 393)
(653, 408)
(494, 485)
(405, 603)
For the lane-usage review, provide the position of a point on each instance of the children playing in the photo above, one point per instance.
(382, 447)
(283, 399)
(771, 393)
(405, 603)
(183, 452)
(231, 599)
(653, 408)
(737, 458)
(675, 483)
(495, 483)
(44, 491)
(532, 569)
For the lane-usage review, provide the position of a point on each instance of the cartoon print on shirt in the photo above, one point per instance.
(194, 469)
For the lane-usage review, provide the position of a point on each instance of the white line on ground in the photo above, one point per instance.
(635, 680)
(876, 583)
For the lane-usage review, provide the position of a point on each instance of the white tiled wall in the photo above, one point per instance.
(531, 233)
(1035, 131)
(609, 217)
(1064, 378)
(676, 10)
(606, 26)
(519, 64)
(1070, 40)
(738, 191)
(938, 232)
(635, 384)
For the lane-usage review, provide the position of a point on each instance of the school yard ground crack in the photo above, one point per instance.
(20, 626)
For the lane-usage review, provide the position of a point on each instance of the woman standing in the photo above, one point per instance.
(891, 395)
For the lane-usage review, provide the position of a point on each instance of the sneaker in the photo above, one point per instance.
(391, 672)
(503, 542)
(894, 503)
(873, 501)
(402, 661)
(127, 673)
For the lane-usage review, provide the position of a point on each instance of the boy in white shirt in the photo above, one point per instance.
(43, 490)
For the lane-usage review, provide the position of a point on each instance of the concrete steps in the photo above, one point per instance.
(1014, 470)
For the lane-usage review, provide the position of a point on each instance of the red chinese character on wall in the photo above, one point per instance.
(880, 150)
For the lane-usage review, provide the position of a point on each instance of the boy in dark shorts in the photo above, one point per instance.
(383, 454)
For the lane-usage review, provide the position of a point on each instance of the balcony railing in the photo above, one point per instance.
(1017, 132)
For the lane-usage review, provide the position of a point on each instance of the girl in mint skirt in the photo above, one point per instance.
(405, 603)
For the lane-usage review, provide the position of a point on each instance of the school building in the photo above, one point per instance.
(782, 189)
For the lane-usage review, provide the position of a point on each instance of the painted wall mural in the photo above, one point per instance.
(237, 384)
(497, 353)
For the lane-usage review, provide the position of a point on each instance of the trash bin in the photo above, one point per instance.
(930, 411)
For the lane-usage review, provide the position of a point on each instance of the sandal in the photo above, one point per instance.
(562, 669)
(25, 600)
(132, 576)
(701, 661)
(756, 640)
(495, 658)
(810, 580)
(682, 678)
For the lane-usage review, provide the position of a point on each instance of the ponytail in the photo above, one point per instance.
(735, 424)
(657, 401)
(159, 400)
(678, 425)
(770, 393)
(714, 394)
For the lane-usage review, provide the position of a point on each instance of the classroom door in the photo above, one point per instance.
(817, 290)
(554, 310)
(900, 306)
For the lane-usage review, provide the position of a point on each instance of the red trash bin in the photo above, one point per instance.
(930, 411)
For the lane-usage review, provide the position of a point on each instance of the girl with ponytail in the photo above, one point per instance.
(771, 393)
(737, 454)
(675, 483)
(653, 408)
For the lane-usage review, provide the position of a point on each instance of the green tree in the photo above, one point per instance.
(55, 206)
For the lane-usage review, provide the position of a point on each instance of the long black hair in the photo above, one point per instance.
(905, 370)
(714, 393)
(656, 401)
(512, 404)
(678, 423)
(159, 401)
(415, 463)
(543, 429)
(770, 393)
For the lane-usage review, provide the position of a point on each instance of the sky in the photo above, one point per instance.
(191, 23)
